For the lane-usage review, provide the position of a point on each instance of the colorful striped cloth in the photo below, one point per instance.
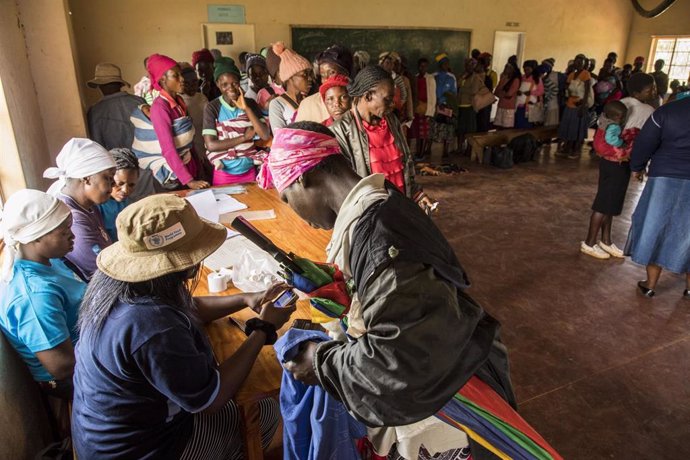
(147, 149)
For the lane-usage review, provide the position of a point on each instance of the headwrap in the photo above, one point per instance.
(27, 216)
(441, 58)
(202, 55)
(223, 65)
(367, 79)
(124, 158)
(157, 65)
(362, 58)
(386, 55)
(291, 63)
(639, 60)
(293, 153)
(549, 61)
(256, 59)
(335, 80)
(79, 158)
(337, 55)
(581, 56)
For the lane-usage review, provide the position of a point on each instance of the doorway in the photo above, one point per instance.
(507, 44)
(230, 39)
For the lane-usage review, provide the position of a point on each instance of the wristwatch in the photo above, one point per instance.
(261, 325)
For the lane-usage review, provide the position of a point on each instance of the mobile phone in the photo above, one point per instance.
(285, 299)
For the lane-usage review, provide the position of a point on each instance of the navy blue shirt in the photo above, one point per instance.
(665, 142)
(138, 381)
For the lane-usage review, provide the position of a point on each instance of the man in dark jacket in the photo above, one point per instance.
(414, 338)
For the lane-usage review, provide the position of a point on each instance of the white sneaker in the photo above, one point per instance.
(612, 249)
(594, 251)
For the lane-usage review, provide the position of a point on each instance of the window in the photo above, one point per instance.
(675, 51)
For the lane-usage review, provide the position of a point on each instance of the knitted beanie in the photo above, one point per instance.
(223, 65)
(291, 63)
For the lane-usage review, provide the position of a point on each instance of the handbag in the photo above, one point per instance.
(484, 98)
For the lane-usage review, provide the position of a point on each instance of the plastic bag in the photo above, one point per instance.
(256, 271)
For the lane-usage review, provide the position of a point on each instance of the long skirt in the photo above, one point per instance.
(441, 131)
(614, 178)
(521, 120)
(420, 128)
(467, 120)
(505, 118)
(660, 233)
(551, 114)
(573, 127)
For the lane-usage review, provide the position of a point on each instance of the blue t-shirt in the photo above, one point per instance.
(109, 211)
(138, 380)
(39, 309)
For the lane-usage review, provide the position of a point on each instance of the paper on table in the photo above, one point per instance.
(228, 204)
(205, 205)
(229, 190)
(249, 215)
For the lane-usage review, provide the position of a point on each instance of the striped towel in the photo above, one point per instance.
(147, 149)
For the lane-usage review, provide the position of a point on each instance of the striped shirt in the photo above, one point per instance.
(227, 122)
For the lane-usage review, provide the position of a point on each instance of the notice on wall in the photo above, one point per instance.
(229, 14)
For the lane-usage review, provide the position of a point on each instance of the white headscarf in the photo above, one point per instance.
(79, 158)
(27, 216)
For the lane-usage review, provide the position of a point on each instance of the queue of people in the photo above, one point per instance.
(97, 274)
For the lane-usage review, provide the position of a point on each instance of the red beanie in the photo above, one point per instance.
(202, 55)
(157, 65)
(335, 80)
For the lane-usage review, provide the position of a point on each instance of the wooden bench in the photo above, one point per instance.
(495, 138)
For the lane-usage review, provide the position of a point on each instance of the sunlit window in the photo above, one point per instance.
(675, 51)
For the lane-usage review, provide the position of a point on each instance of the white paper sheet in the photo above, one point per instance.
(228, 204)
(205, 205)
(249, 215)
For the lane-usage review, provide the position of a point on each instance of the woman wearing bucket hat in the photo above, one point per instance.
(146, 382)
(39, 293)
(85, 173)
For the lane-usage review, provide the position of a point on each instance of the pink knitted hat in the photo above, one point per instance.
(290, 62)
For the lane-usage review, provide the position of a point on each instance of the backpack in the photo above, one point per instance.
(502, 157)
(524, 148)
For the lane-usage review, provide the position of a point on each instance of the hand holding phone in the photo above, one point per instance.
(285, 299)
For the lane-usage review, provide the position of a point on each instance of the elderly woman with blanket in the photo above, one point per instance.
(408, 304)
(167, 150)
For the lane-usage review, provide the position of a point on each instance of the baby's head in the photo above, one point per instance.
(616, 111)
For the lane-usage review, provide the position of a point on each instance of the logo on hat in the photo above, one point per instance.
(165, 237)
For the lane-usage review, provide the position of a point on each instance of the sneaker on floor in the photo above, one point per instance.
(594, 251)
(612, 249)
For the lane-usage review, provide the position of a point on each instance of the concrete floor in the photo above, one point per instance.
(599, 370)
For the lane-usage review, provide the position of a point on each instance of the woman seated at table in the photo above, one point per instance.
(39, 294)
(231, 123)
(85, 172)
(146, 382)
(126, 178)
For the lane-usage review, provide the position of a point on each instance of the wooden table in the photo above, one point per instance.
(291, 234)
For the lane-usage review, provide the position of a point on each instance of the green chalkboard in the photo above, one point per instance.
(410, 43)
